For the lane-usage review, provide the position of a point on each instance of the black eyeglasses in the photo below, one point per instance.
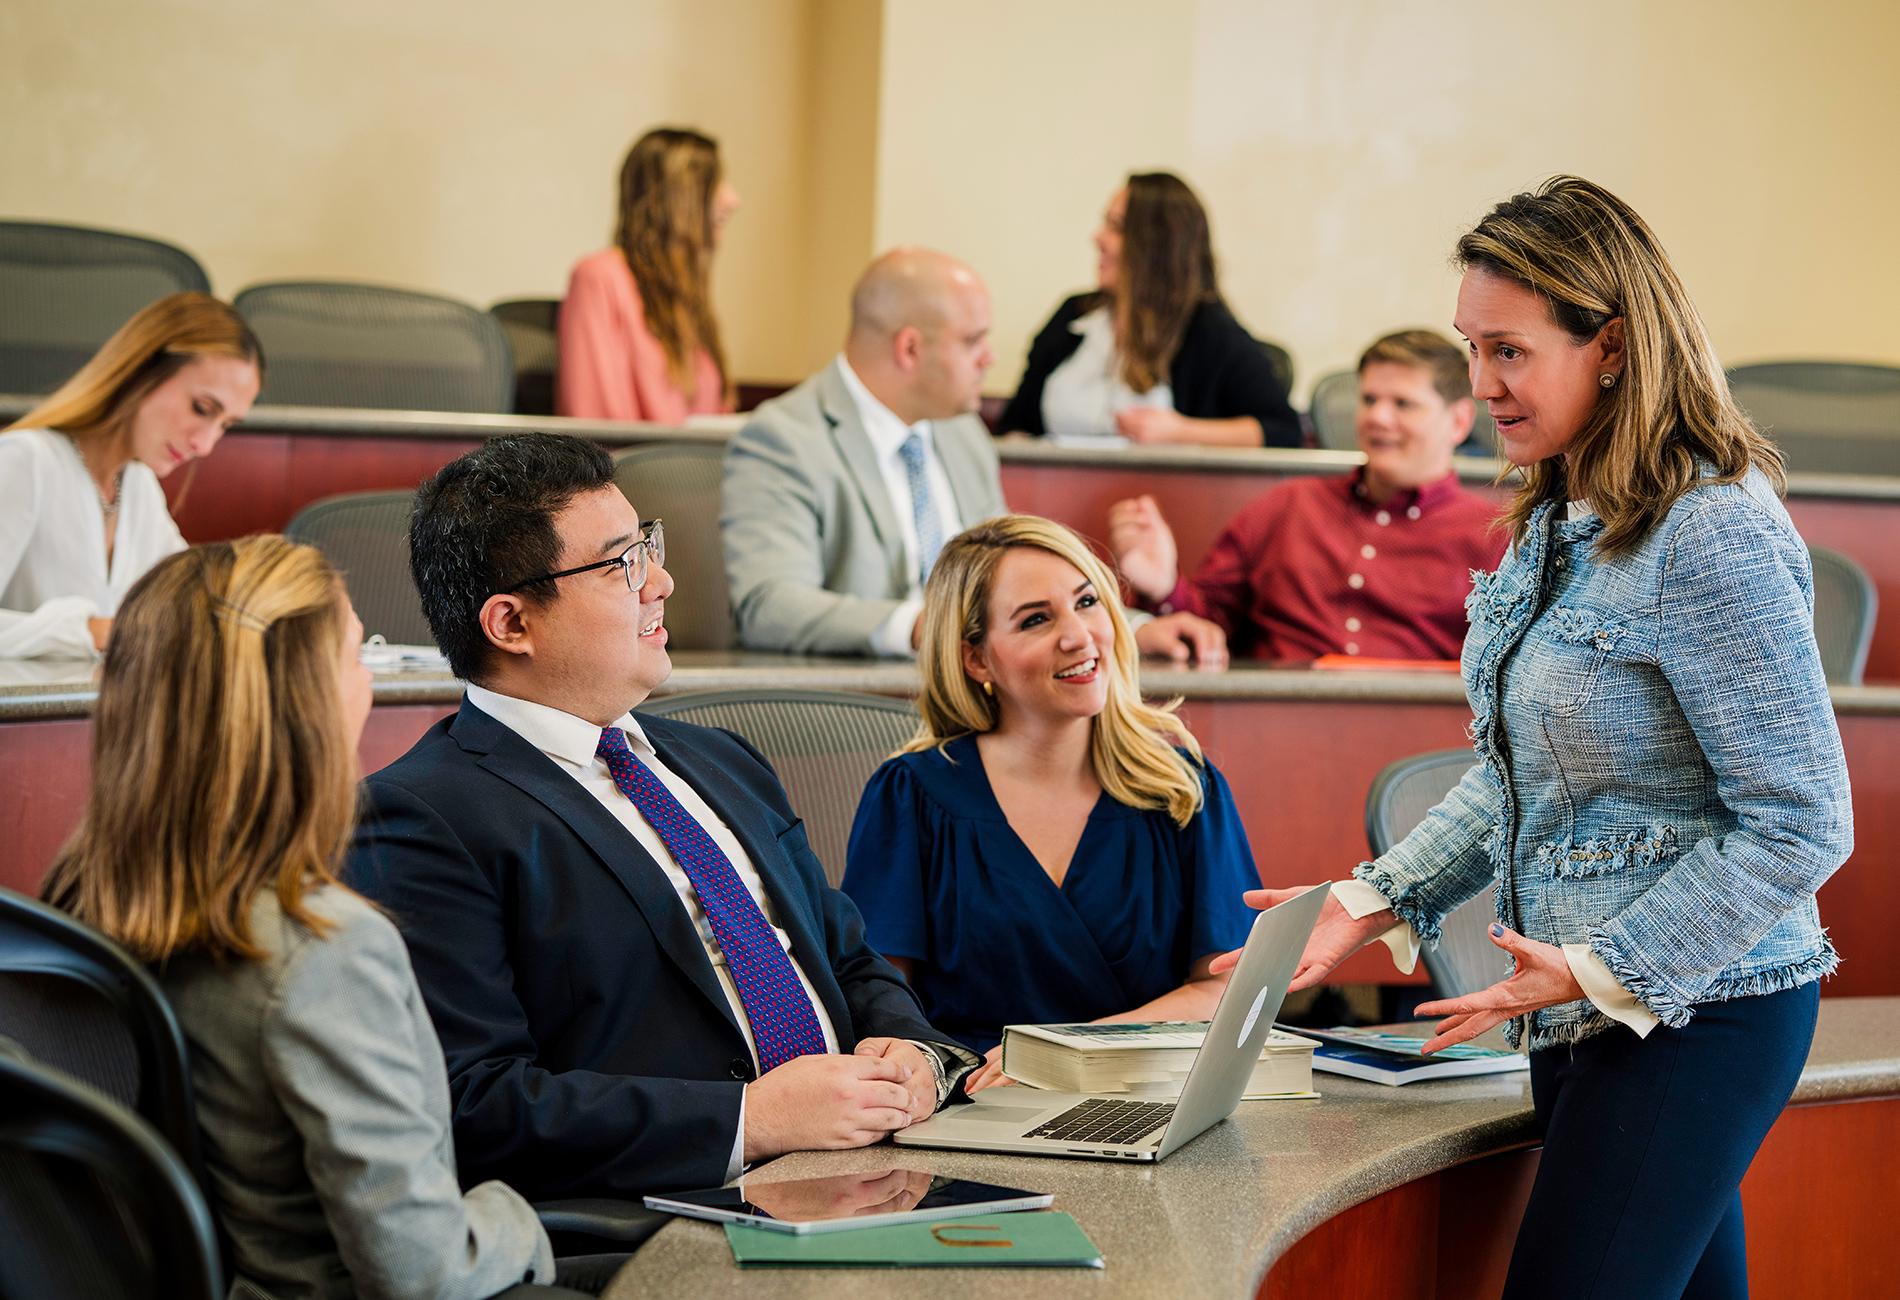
(650, 549)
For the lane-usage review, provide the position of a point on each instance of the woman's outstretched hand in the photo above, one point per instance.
(1543, 979)
(1336, 937)
(989, 1074)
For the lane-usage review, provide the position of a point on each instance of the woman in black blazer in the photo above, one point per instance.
(1153, 354)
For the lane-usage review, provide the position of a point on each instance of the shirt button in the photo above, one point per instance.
(1352, 625)
(1166, 607)
(1352, 647)
(1356, 581)
(740, 1069)
(1411, 512)
(1382, 518)
(1367, 551)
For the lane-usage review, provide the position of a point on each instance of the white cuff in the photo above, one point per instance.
(1361, 900)
(891, 638)
(736, 1165)
(1137, 618)
(56, 630)
(1605, 994)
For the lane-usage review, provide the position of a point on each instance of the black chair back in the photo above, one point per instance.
(367, 346)
(94, 1205)
(65, 290)
(824, 745)
(1828, 417)
(1404, 791)
(366, 536)
(533, 335)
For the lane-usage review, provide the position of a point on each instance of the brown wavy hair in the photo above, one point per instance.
(1132, 744)
(665, 232)
(147, 350)
(1588, 255)
(1167, 272)
(220, 761)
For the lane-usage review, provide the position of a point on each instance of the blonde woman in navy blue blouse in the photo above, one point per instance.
(1048, 848)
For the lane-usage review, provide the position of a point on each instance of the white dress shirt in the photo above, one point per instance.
(571, 743)
(1082, 395)
(53, 571)
(887, 433)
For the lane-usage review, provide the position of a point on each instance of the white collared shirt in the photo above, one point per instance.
(887, 433)
(571, 743)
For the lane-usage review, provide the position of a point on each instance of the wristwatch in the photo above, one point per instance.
(944, 1082)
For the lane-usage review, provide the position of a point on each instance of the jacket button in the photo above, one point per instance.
(741, 1069)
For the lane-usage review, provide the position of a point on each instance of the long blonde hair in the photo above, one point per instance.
(1133, 745)
(100, 401)
(1593, 260)
(220, 760)
(665, 231)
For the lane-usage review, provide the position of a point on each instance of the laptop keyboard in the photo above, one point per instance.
(1112, 1123)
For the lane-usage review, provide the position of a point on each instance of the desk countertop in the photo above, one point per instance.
(45, 689)
(1213, 1218)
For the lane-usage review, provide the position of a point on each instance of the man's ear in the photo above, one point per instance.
(503, 623)
(1610, 348)
(907, 349)
(1464, 414)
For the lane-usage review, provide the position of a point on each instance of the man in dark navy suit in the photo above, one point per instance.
(639, 976)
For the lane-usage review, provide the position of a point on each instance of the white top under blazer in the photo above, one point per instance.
(53, 574)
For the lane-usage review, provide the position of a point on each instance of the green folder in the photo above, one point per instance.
(1024, 1239)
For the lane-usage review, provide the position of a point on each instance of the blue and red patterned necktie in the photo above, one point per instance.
(783, 1022)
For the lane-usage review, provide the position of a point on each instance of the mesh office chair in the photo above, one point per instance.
(1827, 417)
(824, 746)
(366, 536)
(678, 483)
(1845, 607)
(64, 290)
(1334, 413)
(1404, 791)
(533, 334)
(366, 346)
(81, 1004)
(93, 1204)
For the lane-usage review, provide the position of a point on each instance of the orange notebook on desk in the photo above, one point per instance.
(1356, 663)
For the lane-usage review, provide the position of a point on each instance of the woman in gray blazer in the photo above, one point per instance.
(227, 721)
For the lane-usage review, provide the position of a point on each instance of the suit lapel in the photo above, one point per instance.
(854, 447)
(968, 478)
(743, 815)
(501, 751)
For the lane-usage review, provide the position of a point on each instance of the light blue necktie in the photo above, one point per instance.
(922, 508)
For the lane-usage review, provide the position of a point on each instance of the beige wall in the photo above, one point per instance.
(466, 147)
(469, 147)
(1342, 147)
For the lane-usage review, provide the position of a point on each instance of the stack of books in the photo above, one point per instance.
(1144, 1059)
(1395, 1058)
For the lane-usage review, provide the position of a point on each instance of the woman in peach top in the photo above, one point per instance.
(638, 337)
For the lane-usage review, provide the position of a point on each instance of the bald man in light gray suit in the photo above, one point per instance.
(838, 495)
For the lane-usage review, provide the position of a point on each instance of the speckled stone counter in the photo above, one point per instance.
(37, 689)
(1213, 1218)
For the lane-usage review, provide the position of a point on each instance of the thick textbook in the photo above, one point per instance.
(1143, 1059)
(1025, 1239)
(1395, 1059)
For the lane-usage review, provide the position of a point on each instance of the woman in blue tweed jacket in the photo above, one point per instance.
(1661, 787)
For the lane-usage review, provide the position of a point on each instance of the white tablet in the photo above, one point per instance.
(842, 1201)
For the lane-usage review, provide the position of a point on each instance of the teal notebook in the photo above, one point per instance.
(1025, 1239)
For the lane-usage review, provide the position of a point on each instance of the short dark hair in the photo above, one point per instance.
(485, 522)
(1426, 350)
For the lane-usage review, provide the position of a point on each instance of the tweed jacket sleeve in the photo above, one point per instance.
(1737, 648)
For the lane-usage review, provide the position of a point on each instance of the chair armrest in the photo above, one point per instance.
(600, 1216)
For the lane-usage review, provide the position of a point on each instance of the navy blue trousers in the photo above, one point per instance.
(1645, 1144)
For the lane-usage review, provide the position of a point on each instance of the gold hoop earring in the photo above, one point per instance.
(1608, 381)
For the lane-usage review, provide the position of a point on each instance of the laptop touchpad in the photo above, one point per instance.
(1015, 1116)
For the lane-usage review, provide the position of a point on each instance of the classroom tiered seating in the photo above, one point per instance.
(366, 346)
(532, 325)
(65, 289)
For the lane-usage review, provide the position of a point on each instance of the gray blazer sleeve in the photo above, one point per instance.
(343, 1047)
(772, 520)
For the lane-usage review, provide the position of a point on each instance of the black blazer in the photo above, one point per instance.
(1219, 372)
(591, 1050)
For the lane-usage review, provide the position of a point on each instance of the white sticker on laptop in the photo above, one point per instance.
(1253, 1014)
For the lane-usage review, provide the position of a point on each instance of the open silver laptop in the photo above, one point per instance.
(1026, 1121)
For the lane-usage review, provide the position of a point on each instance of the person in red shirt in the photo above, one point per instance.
(1376, 562)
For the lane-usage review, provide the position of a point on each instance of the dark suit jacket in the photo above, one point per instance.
(591, 1050)
(1220, 371)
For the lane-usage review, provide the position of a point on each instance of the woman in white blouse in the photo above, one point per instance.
(82, 516)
